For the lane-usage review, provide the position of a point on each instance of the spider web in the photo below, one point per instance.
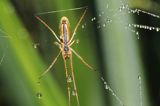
(105, 22)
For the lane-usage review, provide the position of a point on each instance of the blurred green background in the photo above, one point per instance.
(27, 49)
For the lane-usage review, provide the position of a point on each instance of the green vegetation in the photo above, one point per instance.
(29, 49)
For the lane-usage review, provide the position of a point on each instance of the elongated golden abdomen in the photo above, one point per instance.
(64, 28)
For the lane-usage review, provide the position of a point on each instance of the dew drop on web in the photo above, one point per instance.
(74, 93)
(69, 79)
(39, 95)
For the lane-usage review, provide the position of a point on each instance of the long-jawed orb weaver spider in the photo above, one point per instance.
(64, 42)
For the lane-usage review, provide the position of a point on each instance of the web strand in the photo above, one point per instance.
(50, 12)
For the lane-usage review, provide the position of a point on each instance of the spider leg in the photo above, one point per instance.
(74, 82)
(83, 61)
(48, 69)
(45, 24)
(77, 25)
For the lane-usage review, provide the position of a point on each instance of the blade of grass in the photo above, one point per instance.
(23, 64)
(123, 61)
